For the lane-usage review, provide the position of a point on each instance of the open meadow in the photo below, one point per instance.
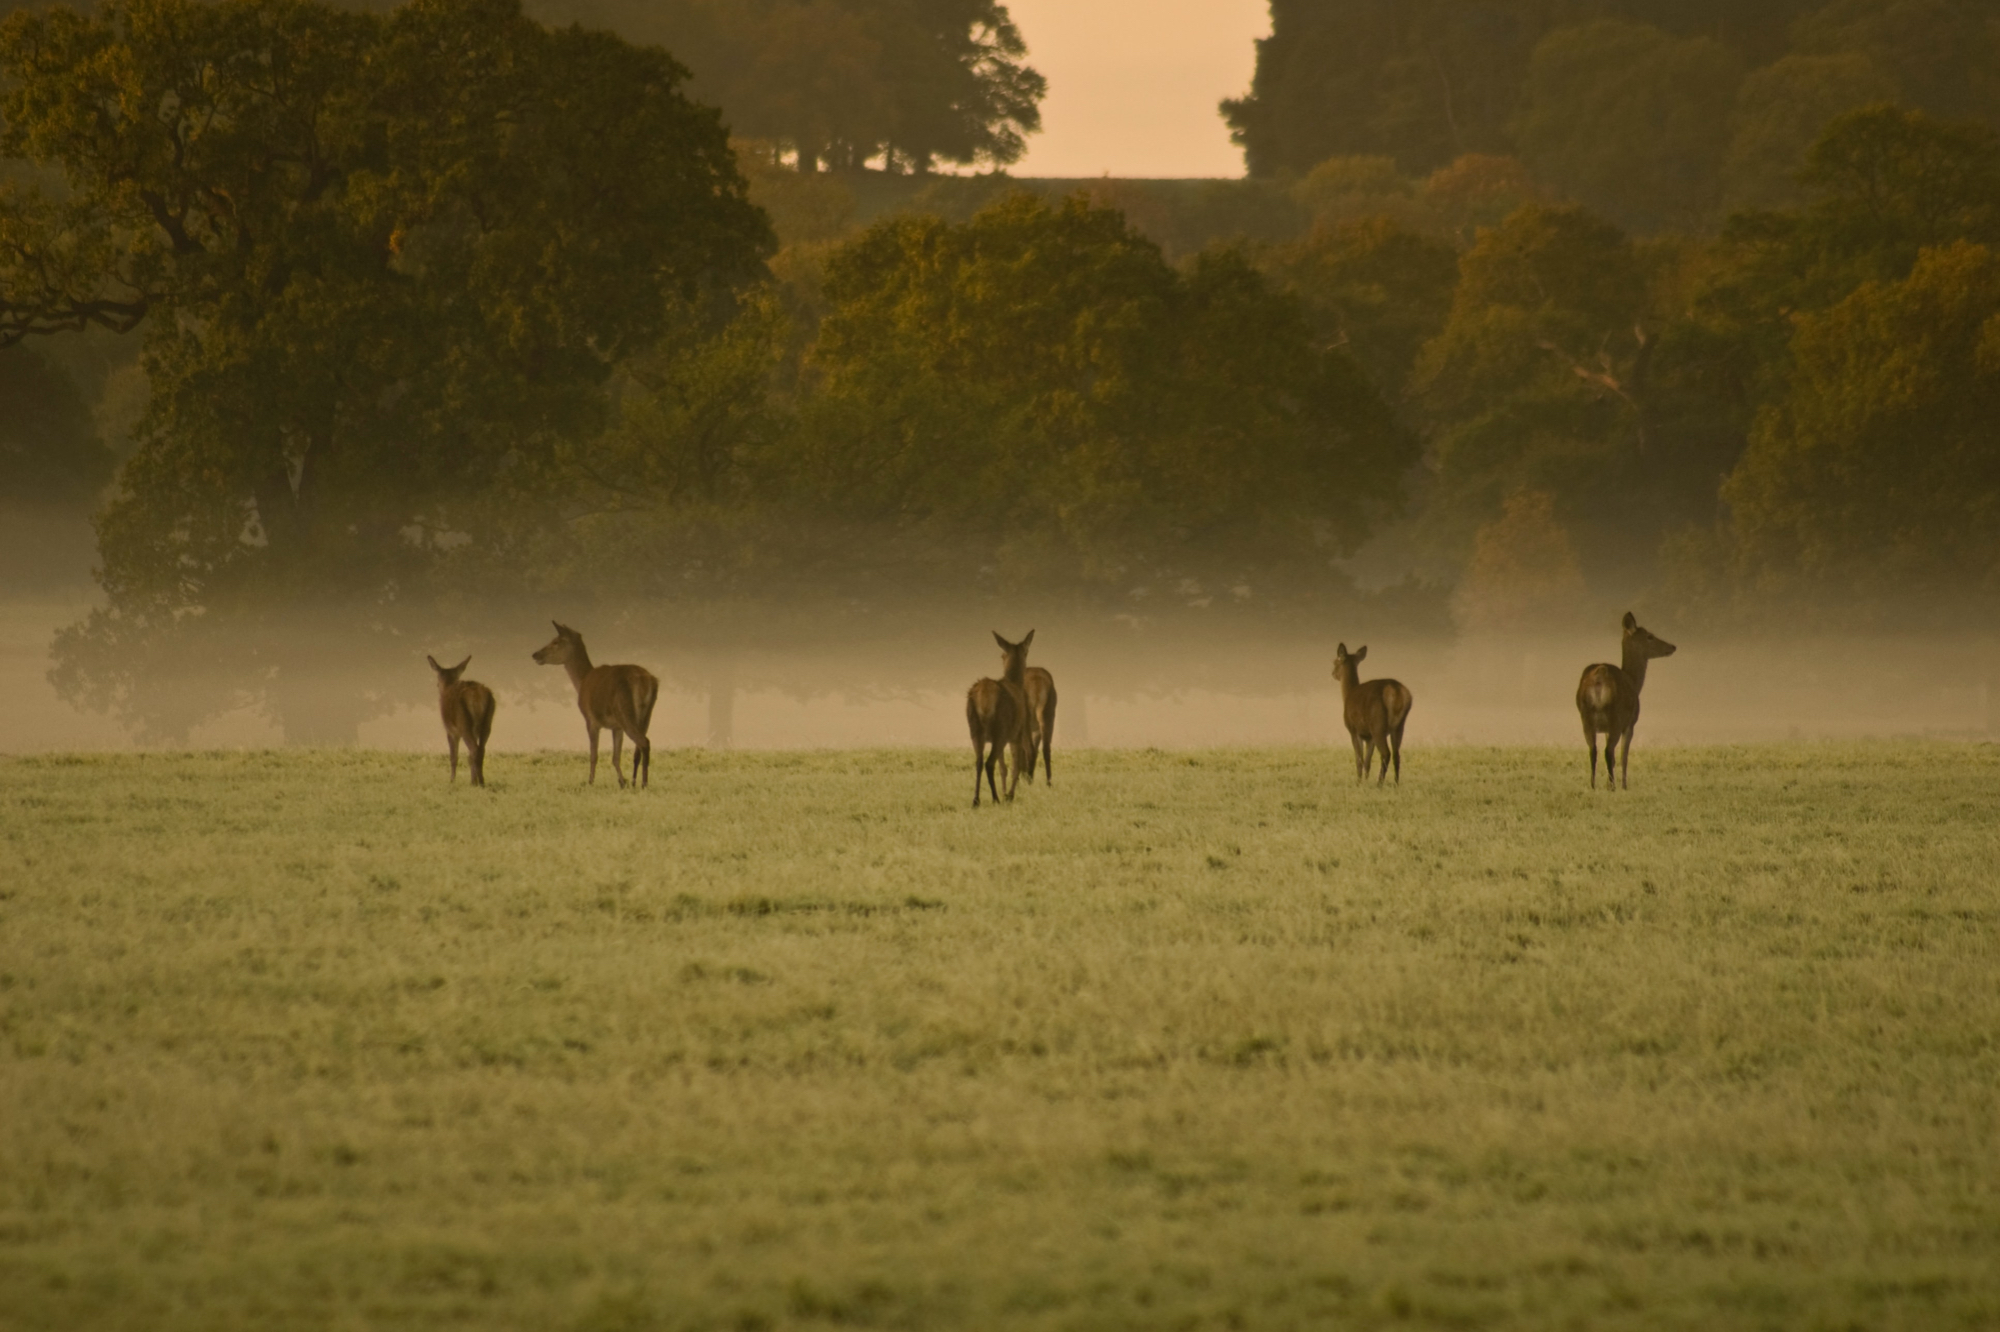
(311, 1039)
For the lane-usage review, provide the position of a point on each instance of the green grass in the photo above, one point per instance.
(313, 1040)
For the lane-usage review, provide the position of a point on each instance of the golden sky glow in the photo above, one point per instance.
(1133, 84)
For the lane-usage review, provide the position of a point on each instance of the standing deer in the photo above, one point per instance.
(1374, 713)
(467, 708)
(1608, 699)
(620, 697)
(1039, 687)
(996, 712)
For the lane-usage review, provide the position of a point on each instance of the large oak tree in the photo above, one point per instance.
(384, 263)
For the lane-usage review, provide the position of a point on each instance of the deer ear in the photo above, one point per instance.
(463, 664)
(434, 662)
(1359, 653)
(1004, 644)
(1029, 639)
(558, 625)
(1631, 622)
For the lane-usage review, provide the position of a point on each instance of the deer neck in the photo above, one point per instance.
(578, 667)
(1016, 674)
(1635, 666)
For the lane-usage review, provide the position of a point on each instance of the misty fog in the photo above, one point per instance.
(847, 675)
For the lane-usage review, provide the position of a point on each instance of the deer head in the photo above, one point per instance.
(1644, 643)
(447, 676)
(567, 643)
(1346, 664)
(1013, 656)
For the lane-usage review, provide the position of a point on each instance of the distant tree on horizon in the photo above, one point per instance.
(839, 83)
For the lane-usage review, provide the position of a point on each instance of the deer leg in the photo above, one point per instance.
(1049, 749)
(1358, 771)
(617, 753)
(993, 762)
(1396, 739)
(1013, 768)
(978, 763)
(452, 740)
(642, 752)
(1625, 760)
(475, 760)
(1590, 738)
(593, 754)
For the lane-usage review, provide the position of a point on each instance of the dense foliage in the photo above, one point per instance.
(382, 261)
(1691, 300)
(1652, 111)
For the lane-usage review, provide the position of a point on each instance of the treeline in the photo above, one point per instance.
(437, 301)
(1655, 113)
(905, 85)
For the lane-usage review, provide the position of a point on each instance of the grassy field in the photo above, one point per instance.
(1206, 1040)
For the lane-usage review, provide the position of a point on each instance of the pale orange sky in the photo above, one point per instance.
(1133, 84)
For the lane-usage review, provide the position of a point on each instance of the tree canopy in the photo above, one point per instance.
(912, 83)
(1039, 374)
(1877, 474)
(384, 260)
(1653, 112)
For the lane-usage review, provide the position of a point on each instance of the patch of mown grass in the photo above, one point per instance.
(312, 1039)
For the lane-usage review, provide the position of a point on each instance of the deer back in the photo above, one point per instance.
(1606, 695)
(467, 707)
(996, 711)
(1040, 688)
(1375, 707)
(618, 696)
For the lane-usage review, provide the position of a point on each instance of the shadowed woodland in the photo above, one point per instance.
(1522, 313)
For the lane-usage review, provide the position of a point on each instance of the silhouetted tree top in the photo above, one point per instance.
(910, 83)
(1654, 112)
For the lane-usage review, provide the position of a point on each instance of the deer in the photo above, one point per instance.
(1039, 688)
(467, 709)
(1607, 697)
(1374, 713)
(620, 697)
(996, 712)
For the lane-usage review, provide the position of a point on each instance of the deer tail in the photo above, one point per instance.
(1598, 689)
(1399, 706)
(644, 696)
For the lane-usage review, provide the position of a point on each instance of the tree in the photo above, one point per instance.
(385, 262)
(1422, 83)
(843, 82)
(1040, 381)
(1536, 381)
(1630, 121)
(1892, 182)
(1374, 288)
(1429, 81)
(1882, 183)
(1877, 474)
(1940, 55)
(1781, 111)
(1523, 574)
